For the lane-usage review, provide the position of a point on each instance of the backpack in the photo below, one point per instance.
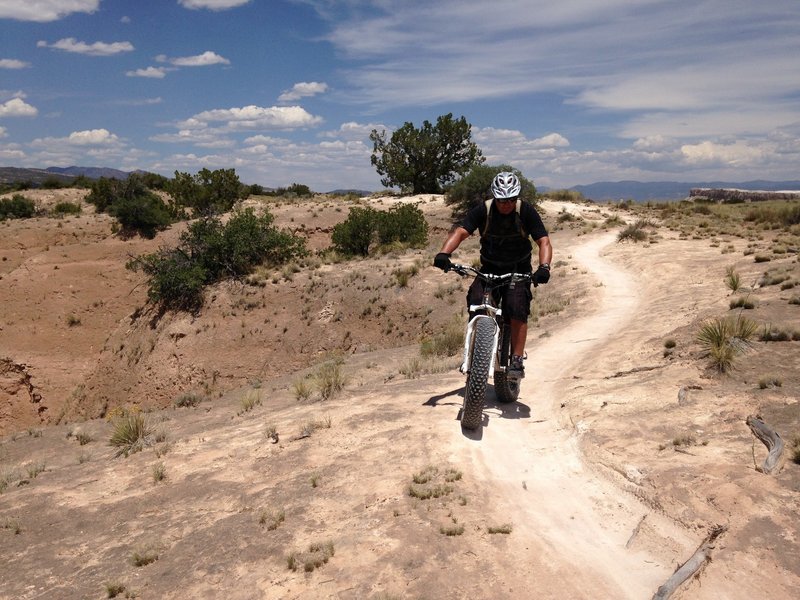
(488, 204)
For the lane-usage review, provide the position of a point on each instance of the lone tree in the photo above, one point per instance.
(422, 160)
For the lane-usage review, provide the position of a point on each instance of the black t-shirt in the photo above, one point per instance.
(505, 245)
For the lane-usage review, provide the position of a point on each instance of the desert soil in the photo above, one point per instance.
(581, 489)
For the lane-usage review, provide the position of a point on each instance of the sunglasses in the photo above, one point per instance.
(504, 200)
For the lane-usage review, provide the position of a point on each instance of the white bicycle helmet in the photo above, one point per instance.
(506, 185)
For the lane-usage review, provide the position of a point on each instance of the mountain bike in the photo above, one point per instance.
(487, 347)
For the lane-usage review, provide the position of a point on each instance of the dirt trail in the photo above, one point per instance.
(573, 524)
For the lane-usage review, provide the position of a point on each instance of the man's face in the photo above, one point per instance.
(506, 206)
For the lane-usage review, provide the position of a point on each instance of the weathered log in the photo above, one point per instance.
(692, 566)
(771, 439)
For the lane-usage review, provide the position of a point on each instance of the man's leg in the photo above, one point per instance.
(519, 333)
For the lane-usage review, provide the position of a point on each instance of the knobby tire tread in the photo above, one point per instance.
(506, 388)
(475, 391)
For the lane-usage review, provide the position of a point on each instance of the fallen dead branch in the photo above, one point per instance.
(771, 439)
(692, 566)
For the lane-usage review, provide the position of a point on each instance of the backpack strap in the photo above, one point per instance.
(488, 205)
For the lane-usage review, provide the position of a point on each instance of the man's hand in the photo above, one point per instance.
(442, 261)
(541, 275)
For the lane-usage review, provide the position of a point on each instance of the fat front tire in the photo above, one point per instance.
(475, 391)
(505, 388)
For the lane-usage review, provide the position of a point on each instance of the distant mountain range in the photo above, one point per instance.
(639, 191)
(669, 190)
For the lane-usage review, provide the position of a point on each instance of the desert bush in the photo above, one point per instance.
(772, 334)
(742, 302)
(475, 188)
(403, 223)
(504, 529)
(316, 556)
(66, 208)
(451, 530)
(130, 201)
(209, 252)
(769, 381)
(329, 379)
(207, 192)
(302, 389)
(188, 400)
(141, 557)
(271, 518)
(249, 401)
(159, 472)
(16, 207)
(634, 232)
(355, 235)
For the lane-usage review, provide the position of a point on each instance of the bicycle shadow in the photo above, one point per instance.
(507, 410)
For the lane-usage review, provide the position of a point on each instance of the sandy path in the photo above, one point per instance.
(573, 525)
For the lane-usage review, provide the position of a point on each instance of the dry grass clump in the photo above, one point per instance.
(316, 556)
(188, 400)
(271, 518)
(448, 342)
(432, 482)
(249, 401)
(504, 529)
(329, 379)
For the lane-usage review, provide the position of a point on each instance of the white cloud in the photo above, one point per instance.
(201, 60)
(11, 63)
(149, 72)
(730, 155)
(205, 59)
(95, 49)
(212, 4)
(254, 117)
(354, 131)
(89, 137)
(3, 132)
(16, 107)
(43, 11)
(303, 90)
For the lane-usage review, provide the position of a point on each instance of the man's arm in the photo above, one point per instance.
(545, 250)
(457, 235)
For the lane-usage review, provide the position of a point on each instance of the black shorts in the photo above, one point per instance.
(516, 301)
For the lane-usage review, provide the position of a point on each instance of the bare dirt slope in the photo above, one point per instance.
(607, 474)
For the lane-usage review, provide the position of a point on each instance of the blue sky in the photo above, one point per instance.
(569, 92)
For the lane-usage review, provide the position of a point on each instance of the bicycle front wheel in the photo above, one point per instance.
(475, 391)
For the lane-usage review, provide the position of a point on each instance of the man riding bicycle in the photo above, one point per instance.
(506, 226)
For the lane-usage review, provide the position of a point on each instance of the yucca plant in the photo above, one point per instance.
(131, 432)
(732, 279)
(724, 338)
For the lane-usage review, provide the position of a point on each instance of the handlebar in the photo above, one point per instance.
(465, 270)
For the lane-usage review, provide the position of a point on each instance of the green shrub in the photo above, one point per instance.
(144, 213)
(17, 207)
(355, 235)
(209, 252)
(732, 279)
(207, 192)
(403, 223)
(66, 208)
(475, 187)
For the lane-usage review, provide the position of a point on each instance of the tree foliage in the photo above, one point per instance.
(16, 207)
(423, 160)
(207, 192)
(209, 252)
(476, 187)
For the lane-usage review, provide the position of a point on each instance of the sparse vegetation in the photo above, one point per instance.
(272, 519)
(249, 401)
(144, 556)
(636, 232)
(451, 530)
(732, 279)
(16, 207)
(504, 529)
(188, 400)
(159, 472)
(316, 556)
(769, 381)
(329, 379)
